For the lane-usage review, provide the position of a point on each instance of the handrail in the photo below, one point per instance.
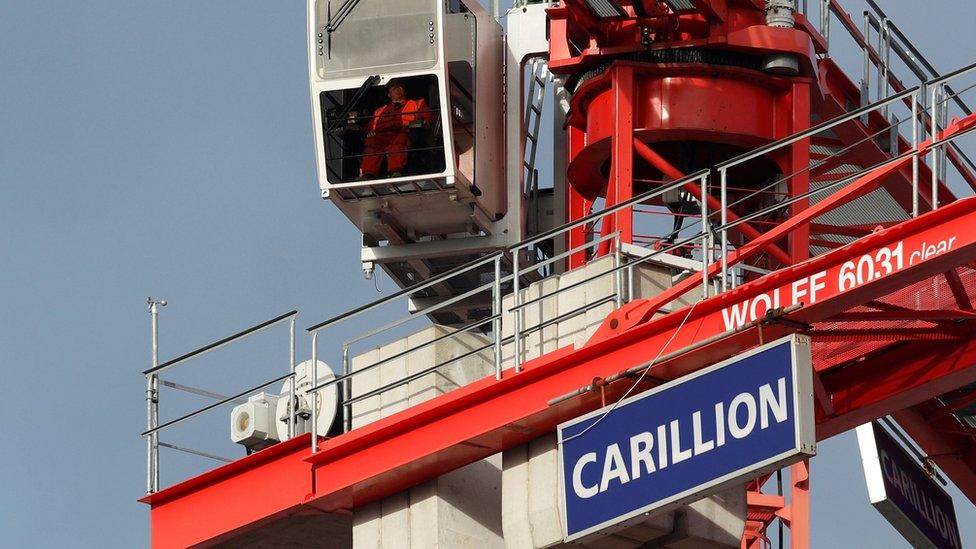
(912, 58)
(874, 56)
(643, 197)
(217, 404)
(607, 299)
(423, 285)
(517, 246)
(951, 75)
(195, 452)
(819, 128)
(153, 383)
(744, 219)
(419, 314)
(917, 55)
(217, 344)
(613, 209)
(511, 253)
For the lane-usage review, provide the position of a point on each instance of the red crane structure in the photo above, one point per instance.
(809, 206)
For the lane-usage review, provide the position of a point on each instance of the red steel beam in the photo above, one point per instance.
(243, 494)
(894, 379)
(958, 290)
(662, 164)
(488, 416)
(884, 334)
(946, 410)
(483, 418)
(908, 314)
(640, 311)
(953, 453)
(897, 87)
(845, 230)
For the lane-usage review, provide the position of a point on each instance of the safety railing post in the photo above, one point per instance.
(935, 149)
(314, 394)
(706, 235)
(152, 402)
(346, 390)
(944, 123)
(496, 311)
(825, 24)
(887, 65)
(150, 439)
(724, 191)
(291, 382)
(517, 313)
(866, 76)
(631, 292)
(823, 15)
(618, 274)
(884, 57)
(915, 166)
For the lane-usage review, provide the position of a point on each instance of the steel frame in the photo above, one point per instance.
(491, 415)
(906, 377)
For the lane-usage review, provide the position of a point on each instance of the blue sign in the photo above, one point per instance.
(905, 494)
(688, 438)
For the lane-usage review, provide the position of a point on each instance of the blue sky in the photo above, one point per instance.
(164, 148)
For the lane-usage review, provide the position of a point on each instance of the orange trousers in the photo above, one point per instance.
(394, 145)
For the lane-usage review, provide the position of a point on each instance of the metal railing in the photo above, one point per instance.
(878, 57)
(509, 274)
(153, 382)
(922, 120)
(510, 271)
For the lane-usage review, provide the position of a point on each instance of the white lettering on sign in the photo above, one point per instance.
(852, 274)
(583, 491)
(746, 413)
(805, 290)
(927, 251)
(918, 498)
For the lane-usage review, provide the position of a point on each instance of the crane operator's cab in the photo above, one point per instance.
(407, 106)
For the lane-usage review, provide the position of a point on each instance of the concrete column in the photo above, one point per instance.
(532, 518)
(459, 509)
(512, 500)
(530, 496)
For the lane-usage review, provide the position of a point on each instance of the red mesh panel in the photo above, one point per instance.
(931, 295)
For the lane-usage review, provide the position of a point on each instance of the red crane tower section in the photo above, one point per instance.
(650, 103)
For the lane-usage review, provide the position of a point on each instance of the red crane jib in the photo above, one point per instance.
(615, 111)
(488, 416)
(640, 311)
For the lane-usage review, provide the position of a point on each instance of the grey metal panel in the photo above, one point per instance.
(680, 5)
(377, 36)
(606, 9)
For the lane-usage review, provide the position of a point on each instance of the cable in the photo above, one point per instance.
(639, 379)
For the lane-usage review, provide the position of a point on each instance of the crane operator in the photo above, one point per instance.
(387, 133)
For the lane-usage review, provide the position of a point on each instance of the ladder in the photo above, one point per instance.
(539, 79)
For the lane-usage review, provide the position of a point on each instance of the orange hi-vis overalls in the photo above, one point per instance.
(390, 136)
